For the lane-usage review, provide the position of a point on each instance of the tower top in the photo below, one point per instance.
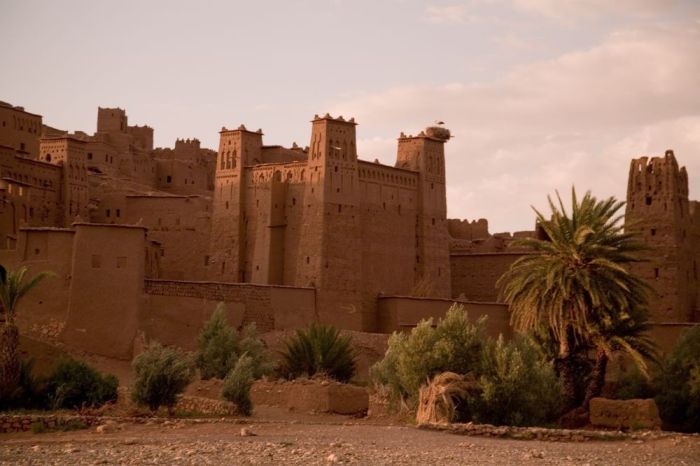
(339, 119)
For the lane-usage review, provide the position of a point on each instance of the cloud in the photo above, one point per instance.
(567, 9)
(440, 14)
(577, 119)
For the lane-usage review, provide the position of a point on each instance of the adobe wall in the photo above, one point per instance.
(181, 225)
(43, 249)
(474, 275)
(400, 313)
(106, 289)
(666, 335)
(20, 130)
(388, 212)
(175, 311)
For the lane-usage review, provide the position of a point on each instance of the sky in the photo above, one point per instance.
(540, 95)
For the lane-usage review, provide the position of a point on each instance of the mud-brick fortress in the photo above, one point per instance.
(145, 241)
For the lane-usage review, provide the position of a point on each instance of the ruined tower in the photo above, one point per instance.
(658, 209)
(237, 149)
(425, 154)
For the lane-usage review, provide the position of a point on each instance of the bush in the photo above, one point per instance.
(634, 385)
(453, 345)
(238, 383)
(518, 386)
(514, 382)
(219, 347)
(74, 384)
(319, 349)
(31, 390)
(678, 384)
(161, 374)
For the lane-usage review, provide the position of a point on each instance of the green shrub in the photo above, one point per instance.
(633, 385)
(453, 345)
(30, 392)
(238, 383)
(515, 382)
(518, 386)
(160, 375)
(318, 349)
(219, 347)
(678, 384)
(74, 384)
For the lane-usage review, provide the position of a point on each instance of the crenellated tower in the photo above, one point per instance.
(238, 148)
(658, 209)
(425, 154)
(328, 249)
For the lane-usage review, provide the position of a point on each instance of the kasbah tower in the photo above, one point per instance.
(323, 219)
(658, 209)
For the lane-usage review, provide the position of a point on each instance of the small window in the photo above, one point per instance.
(653, 232)
(108, 212)
(121, 262)
(169, 179)
(656, 273)
(307, 259)
(162, 252)
(21, 146)
(206, 261)
(96, 261)
(37, 251)
(433, 221)
(89, 156)
(119, 213)
(647, 199)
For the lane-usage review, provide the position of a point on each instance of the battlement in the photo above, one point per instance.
(187, 144)
(657, 176)
(241, 128)
(339, 119)
(464, 229)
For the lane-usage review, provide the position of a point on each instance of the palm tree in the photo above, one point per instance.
(12, 290)
(576, 278)
(625, 332)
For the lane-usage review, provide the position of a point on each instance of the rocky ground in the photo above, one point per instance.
(326, 441)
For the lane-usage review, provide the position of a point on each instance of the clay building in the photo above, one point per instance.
(323, 218)
(282, 235)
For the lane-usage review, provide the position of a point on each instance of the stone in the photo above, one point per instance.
(247, 432)
(628, 414)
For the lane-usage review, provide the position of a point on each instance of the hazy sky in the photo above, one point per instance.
(540, 94)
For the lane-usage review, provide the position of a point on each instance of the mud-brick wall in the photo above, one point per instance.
(474, 276)
(176, 310)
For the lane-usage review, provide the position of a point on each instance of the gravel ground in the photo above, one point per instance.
(310, 443)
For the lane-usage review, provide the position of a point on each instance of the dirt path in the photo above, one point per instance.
(314, 443)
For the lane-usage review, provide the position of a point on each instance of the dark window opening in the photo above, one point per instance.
(653, 232)
(307, 259)
(119, 213)
(107, 212)
(647, 200)
(169, 179)
(656, 273)
(89, 156)
(433, 221)
(37, 251)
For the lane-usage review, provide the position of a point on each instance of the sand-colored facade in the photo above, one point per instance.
(145, 241)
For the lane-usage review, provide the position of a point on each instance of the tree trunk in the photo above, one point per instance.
(595, 386)
(568, 375)
(9, 360)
